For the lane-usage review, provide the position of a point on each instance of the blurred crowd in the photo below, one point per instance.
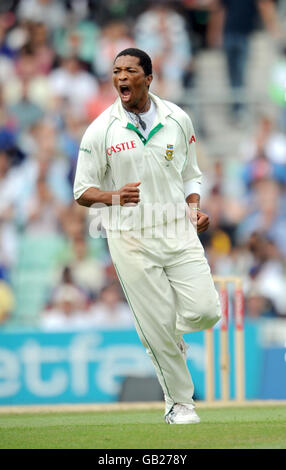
(55, 62)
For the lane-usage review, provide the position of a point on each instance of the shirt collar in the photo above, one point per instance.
(162, 110)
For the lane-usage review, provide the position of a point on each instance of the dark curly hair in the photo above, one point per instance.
(144, 59)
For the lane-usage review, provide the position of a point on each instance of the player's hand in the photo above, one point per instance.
(129, 194)
(203, 221)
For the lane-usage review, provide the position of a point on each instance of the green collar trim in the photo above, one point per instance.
(151, 133)
(133, 128)
(154, 130)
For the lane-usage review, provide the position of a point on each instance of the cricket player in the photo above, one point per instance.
(138, 160)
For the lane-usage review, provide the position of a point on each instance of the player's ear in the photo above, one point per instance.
(148, 80)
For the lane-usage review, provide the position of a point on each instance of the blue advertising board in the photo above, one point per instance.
(80, 367)
(90, 366)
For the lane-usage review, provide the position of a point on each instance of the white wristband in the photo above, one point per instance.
(192, 187)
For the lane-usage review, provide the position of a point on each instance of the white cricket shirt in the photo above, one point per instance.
(113, 153)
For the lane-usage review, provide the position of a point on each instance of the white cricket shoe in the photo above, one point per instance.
(182, 414)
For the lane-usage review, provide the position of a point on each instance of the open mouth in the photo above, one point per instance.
(125, 92)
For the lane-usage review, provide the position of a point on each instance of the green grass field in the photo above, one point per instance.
(251, 427)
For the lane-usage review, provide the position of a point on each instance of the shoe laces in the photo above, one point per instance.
(182, 409)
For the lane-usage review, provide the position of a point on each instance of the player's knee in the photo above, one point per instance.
(209, 312)
(213, 316)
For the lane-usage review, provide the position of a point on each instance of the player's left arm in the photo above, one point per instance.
(199, 218)
(192, 178)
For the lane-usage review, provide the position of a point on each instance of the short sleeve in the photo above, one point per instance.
(191, 174)
(91, 163)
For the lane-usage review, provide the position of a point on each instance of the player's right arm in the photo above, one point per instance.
(90, 173)
(128, 194)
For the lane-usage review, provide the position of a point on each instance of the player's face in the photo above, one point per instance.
(131, 82)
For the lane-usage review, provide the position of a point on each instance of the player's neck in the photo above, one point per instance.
(139, 108)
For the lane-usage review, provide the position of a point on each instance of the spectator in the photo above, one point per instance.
(46, 160)
(7, 302)
(7, 70)
(7, 53)
(70, 126)
(162, 33)
(196, 13)
(114, 38)
(266, 142)
(50, 12)
(67, 306)
(103, 11)
(231, 25)
(74, 223)
(101, 101)
(43, 211)
(221, 203)
(72, 83)
(28, 93)
(78, 39)
(24, 112)
(86, 270)
(6, 22)
(264, 155)
(266, 279)
(40, 44)
(11, 183)
(257, 305)
(110, 311)
(277, 82)
(266, 213)
(67, 312)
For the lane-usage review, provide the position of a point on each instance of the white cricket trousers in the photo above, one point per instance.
(170, 290)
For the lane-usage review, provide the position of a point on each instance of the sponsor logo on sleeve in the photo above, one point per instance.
(84, 149)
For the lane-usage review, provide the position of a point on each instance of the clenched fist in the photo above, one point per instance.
(129, 194)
